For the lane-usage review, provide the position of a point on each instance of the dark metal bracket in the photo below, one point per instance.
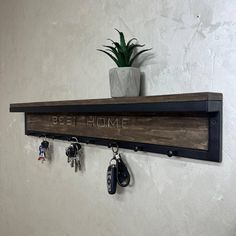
(212, 108)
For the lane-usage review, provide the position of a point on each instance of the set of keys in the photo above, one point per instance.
(43, 148)
(117, 172)
(73, 155)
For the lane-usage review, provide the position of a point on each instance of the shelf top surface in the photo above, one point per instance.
(204, 96)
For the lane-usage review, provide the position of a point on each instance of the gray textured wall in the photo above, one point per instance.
(47, 52)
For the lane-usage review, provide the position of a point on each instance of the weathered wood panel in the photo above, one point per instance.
(185, 130)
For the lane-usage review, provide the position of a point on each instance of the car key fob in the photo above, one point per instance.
(112, 177)
(123, 176)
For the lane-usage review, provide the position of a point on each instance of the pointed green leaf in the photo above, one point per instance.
(132, 47)
(130, 41)
(132, 60)
(131, 50)
(122, 39)
(117, 54)
(120, 54)
(117, 45)
(122, 60)
(112, 57)
(107, 46)
(112, 41)
(112, 49)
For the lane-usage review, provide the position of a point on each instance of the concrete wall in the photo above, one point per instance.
(48, 52)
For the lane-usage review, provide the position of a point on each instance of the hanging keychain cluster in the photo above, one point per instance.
(73, 154)
(43, 149)
(117, 172)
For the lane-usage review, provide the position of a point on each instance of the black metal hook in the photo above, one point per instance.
(137, 148)
(115, 149)
(90, 141)
(171, 153)
(114, 146)
(42, 136)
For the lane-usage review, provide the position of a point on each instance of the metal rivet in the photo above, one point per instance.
(213, 122)
(170, 153)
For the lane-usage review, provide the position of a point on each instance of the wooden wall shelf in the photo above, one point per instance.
(187, 125)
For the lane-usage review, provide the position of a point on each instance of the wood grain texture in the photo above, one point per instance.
(207, 96)
(177, 130)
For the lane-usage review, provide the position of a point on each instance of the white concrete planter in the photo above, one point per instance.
(124, 82)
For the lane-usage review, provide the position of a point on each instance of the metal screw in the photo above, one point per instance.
(213, 122)
(170, 153)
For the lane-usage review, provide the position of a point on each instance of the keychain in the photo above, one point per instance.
(73, 154)
(117, 172)
(112, 176)
(43, 148)
(123, 176)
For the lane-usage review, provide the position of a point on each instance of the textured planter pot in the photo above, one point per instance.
(124, 82)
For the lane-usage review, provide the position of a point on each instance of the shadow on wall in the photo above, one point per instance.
(142, 84)
(145, 60)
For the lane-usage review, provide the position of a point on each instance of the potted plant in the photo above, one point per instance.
(124, 79)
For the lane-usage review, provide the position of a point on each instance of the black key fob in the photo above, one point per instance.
(123, 176)
(112, 177)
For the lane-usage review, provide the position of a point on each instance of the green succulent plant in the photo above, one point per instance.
(123, 54)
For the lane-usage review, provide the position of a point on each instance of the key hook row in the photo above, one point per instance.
(114, 145)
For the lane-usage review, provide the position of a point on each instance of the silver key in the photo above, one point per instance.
(72, 162)
(78, 162)
(76, 165)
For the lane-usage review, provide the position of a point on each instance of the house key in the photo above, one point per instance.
(72, 153)
(77, 162)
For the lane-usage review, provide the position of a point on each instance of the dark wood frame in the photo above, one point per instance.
(209, 104)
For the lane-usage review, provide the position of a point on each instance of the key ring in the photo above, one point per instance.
(115, 149)
(76, 139)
